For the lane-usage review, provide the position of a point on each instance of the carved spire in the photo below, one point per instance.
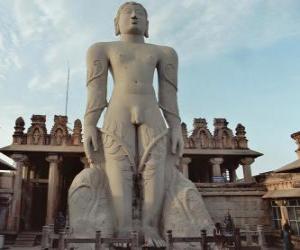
(241, 139)
(199, 123)
(59, 132)
(220, 123)
(19, 128)
(222, 134)
(77, 136)
(201, 135)
(37, 133)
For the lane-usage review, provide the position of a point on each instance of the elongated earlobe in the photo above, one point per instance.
(147, 30)
(117, 29)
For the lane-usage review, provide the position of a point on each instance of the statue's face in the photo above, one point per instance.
(132, 20)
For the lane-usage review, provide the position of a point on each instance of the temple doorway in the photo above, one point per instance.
(39, 206)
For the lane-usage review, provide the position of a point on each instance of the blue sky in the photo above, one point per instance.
(239, 60)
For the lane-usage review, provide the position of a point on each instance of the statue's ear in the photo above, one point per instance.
(147, 30)
(117, 29)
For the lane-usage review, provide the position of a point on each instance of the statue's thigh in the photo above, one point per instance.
(155, 159)
(118, 166)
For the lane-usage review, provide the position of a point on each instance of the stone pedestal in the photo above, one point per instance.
(53, 188)
(14, 217)
(216, 169)
(246, 163)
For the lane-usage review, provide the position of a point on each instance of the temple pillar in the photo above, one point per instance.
(32, 173)
(232, 175)
(283, 211)
(14, 217)
(246, 163)
(25, 171)
(185, 161)
(216, 167)
(85, 162)
(53, 188)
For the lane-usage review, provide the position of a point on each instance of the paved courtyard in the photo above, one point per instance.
(22, 248)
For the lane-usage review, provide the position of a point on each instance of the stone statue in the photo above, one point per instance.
(136, 152)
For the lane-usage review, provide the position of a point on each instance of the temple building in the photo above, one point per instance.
(47, 162)
(283, 193)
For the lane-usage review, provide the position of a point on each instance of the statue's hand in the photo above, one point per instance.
(177, 140)
(90, 140)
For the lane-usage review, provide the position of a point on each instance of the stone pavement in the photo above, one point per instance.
(22, 248)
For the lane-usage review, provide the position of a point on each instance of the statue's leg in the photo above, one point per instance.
(119, 173)
(153, 181)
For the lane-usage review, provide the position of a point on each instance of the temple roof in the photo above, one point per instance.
(284, 193)
(42, 148)
(61, 139)
(5, 164)
(291, 167)
(232, 152)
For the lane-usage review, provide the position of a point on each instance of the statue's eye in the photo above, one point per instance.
(139, 12)
(127, 11)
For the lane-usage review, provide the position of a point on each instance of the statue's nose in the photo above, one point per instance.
(133, 15)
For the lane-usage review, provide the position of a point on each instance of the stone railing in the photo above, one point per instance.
(62, 241)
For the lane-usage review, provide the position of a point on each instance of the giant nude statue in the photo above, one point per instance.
(134, 155)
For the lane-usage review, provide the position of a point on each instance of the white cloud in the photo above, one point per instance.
(212, 28)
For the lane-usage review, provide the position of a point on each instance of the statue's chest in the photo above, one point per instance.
(133, 57)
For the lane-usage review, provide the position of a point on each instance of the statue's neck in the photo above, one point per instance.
(132, 38)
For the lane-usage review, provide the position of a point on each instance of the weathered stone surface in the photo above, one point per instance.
(137, 151)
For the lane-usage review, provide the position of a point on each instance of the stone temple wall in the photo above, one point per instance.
(245, 205)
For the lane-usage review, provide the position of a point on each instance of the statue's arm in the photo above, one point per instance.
(167, 95)
(97, 71)
(167, 89)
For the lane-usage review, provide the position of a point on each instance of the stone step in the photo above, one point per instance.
(25, 239)
(26, 236)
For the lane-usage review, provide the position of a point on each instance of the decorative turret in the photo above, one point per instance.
(199, 123)
(201, 136)
(222, 134)
(77, 136)
(296, 137)
(19, 128)
(241, 139)
(37, 132)
(59, 133)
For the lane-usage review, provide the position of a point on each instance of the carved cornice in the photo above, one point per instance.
(247, 161)
(216, 161)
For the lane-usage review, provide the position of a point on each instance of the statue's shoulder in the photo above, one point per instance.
(100, 48)
(166, 52)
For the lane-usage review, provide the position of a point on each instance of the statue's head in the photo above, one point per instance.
(132, 18)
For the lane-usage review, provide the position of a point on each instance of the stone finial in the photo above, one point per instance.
(19, 128)
(200, 123)
(220, 123)
(241, 139)
(296, 137)
(77, 136)
(38, 119)
(61, 120)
